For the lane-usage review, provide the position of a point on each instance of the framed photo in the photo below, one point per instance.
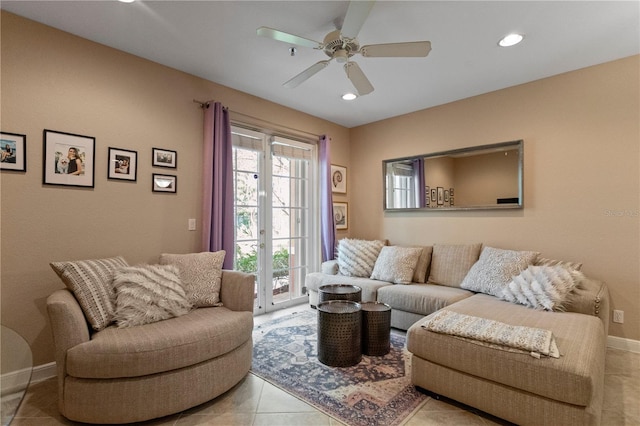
(14, 152)
(434, 195)
(123, 164)
(451, 202)
(338, 179)
(165, 183)
(340, 215)
(451, 192)
(164, 158)
(69, 159)
(427, 196)
(440, 196)
(446, 195)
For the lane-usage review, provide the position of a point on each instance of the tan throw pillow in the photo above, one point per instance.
(543, 261)
(148, 293)
(451, 263)
(356, 258)
(201, 275)
(420, 274)
(396, 264)
(90, 282)
(495, 269)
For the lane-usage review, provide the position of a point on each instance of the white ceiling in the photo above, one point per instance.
(217, 40)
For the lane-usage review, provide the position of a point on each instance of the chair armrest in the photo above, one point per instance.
(68, 324)
(330, 267)
(237, 290)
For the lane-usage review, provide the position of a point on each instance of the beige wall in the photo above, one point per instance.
(581, 174)
(53, 80)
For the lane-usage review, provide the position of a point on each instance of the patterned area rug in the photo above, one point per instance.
(377, 391)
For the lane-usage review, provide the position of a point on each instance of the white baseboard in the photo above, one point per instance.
(628, 345)
(43, 372)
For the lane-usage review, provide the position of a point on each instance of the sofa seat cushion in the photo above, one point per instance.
(198, 336)
(369, 287)
(571, 378)
(421, 298)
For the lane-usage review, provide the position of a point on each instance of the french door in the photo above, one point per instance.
(276, 210)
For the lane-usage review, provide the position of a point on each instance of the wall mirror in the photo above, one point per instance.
(480, 177)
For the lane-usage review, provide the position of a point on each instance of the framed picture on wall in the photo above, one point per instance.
(434, 195)
(440, 196)
(69, 159)
(164, 158)
(123, 164)
(13, 152)
(446, 196)
(340, 215)
(338, 179)
(165, 183)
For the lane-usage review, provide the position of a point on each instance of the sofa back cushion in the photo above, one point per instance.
(90, 282)
(451, 263)
(356, 258)
(396, 264)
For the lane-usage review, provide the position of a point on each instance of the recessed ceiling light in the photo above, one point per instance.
(510, 40)
(349, 96)
(126, 1)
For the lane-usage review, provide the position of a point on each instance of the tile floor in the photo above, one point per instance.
(256, 402)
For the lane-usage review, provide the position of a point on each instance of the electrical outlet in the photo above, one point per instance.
(192, 224)
(618, 316)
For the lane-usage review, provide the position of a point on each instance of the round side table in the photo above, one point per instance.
(339, 326)
(376, 328)
(339, 292)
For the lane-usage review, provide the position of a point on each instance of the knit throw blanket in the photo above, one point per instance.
(535, 341)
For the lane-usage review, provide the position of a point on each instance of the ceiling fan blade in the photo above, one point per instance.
(397, 50)
(306, 74)
(354, 20)
(288, 38)
(358, 79)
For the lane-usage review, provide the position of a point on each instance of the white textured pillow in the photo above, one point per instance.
(201, 275)
(148, 293)
(396, 264)
(451, 263)
(543, 261)
(356, 258)
(495, 269)
(90, 282)
(542, 287)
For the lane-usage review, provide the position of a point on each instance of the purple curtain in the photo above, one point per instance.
(327, 224)
(217, 199)
(419, 182)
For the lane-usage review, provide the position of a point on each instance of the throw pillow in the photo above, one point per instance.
(90, 282)
(201, 275)
(451, 263)
(495, 269)
(396, 264)
(543, 261)
(420, 274)
(148, 293)
(542, 287)
(356, 258)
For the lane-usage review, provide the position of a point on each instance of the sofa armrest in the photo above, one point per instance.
(591, 297)
(330, 267)
(237, 290)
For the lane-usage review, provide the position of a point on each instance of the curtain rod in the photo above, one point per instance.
(205, 105)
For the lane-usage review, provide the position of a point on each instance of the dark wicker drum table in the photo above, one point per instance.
(339, 325)
(339, 292)
(376, 328)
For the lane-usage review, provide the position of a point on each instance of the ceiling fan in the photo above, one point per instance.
(342, 44)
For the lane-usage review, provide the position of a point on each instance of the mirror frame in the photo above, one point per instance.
(515, 144)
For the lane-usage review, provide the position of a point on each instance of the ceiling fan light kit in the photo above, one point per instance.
(342, 44)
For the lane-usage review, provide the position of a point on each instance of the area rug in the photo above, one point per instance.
(377, 391)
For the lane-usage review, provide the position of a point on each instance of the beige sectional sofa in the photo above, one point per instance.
(523, 388)
(145, 371)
